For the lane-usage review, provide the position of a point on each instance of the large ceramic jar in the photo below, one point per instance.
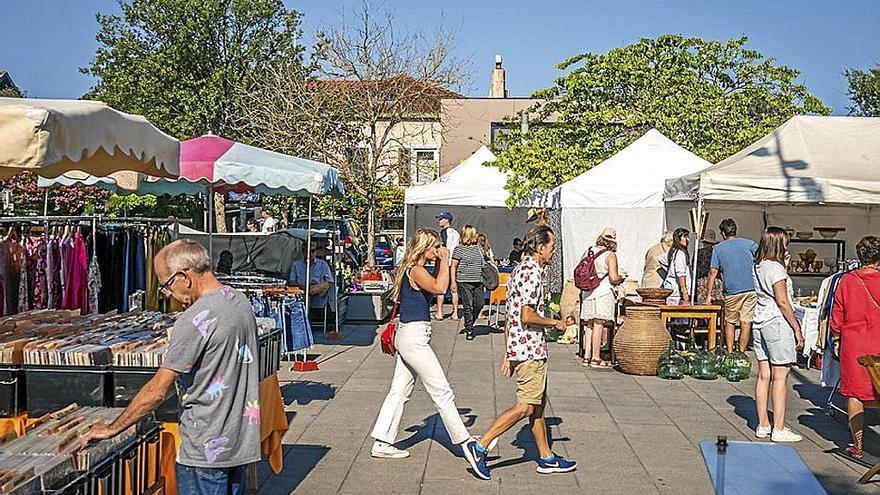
(641, 341)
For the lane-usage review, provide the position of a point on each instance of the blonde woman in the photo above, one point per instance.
(598, 304)
(467, 277)
(414, 288)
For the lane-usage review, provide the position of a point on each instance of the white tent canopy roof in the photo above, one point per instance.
(808, 159)
(471, 183)
(632, 178)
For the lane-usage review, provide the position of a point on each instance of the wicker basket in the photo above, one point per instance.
(654, 295)
(641, 341)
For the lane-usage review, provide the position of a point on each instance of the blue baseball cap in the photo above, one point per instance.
(444, 214)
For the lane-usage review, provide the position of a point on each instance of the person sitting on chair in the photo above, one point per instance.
(322, 286)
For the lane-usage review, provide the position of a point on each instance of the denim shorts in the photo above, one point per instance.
(774, 341)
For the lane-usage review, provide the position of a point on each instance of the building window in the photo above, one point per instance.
(499, 129)
(424, 166)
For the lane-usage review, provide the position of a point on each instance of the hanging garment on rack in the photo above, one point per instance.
(110, 254)
(38, 294)
(50, 273)
(23, 283)
(94, 286)
(140, 261)
(126, 274)
(76, 275)
(9, 275)
(297, 328)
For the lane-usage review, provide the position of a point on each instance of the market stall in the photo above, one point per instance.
(624, 192)
(818, 177)
(104, 360)
(474, 193)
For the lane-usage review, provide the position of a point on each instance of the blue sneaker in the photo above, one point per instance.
(477, 458)
(556, 464)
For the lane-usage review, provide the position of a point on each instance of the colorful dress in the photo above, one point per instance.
(37, 272)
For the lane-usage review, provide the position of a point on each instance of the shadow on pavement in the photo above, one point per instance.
(744, 407)
(304, 392)
(299, 461)
(432, 424)
(353, 334)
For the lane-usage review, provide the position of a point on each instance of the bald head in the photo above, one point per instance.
(182, 255)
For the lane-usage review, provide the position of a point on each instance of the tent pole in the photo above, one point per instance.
(210, 195)
(308, 259)
(698, 227)
(337, 245)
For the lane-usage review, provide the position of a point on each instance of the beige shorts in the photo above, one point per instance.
(740, 307)
(531, 382)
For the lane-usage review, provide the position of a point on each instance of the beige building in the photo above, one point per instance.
(468, 123)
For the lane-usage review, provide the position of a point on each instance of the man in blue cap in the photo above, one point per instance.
(450, 238)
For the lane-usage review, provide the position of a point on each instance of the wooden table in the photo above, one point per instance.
(700, 311)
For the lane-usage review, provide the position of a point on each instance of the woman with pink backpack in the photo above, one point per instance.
(596, 275)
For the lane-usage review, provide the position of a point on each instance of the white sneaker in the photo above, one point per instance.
(785, 435)
(382, 450)
(763, 431)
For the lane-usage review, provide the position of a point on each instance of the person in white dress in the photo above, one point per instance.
(598, 304)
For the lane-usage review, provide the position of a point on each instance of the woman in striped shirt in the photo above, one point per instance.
(467, 280)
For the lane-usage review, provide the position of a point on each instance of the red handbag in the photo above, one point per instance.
(387, 337)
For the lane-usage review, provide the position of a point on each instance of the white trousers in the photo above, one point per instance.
(415, 358)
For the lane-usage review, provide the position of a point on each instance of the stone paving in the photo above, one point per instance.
(629, 434)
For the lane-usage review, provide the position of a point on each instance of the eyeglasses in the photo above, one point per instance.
(165, 289)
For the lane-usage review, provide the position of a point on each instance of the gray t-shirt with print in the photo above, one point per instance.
(214, 348)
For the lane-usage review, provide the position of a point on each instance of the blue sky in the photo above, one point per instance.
(44, 42)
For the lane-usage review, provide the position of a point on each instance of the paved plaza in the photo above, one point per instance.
(630, 435)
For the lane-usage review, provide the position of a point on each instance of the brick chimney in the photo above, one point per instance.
(499, 81)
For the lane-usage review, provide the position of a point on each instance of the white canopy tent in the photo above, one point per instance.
(624, 192)
(474, 193)
(811, 171)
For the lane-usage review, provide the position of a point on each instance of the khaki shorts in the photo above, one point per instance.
(740, 307)
(531, 382)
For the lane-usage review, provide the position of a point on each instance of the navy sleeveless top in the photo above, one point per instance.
(415, 305)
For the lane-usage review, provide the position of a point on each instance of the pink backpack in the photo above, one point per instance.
(585, 275)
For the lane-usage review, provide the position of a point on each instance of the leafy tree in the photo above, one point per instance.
(864, 90)
(184, 63)
(711, 97)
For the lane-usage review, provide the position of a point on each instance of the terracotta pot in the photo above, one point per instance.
(641, 341)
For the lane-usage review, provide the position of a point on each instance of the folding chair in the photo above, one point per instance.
(872, 364)
(498, 297)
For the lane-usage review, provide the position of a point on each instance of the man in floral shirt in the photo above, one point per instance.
(526, 355)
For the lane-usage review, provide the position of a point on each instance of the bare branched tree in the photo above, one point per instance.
(371, 92)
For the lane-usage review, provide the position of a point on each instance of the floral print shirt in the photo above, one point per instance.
(525, 288)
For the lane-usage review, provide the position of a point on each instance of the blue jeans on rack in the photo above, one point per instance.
(297, 328)
(211, 481)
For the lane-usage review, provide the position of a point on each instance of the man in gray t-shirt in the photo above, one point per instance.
(212, 354)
